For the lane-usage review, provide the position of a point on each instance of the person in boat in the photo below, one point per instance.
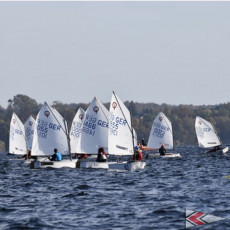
(140, 146)
(143, 142)
(28, 155)
(82, 156)
(137, 156)
(57, 156)
(101, 155)
(162, 150)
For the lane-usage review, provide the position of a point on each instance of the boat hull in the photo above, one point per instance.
(93, 165)
(130, 165)
(39, 164)
(113, 165)
(225, 150)
(167, 155)
(220, 151)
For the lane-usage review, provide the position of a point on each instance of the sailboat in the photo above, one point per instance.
(121, 135)
(17, 142)
(115, 135)
(207, 136)
(94, 134)
(75, 130)
(29, 131)
(161, 133)
(50, 132)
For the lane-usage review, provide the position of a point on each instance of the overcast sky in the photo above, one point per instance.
(161, 52)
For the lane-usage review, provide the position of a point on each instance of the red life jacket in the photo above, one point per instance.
(139, 156)
(83, 156)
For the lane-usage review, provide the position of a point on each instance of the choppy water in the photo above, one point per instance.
(153, 198)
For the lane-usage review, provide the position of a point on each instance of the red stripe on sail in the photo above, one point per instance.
(194, 218)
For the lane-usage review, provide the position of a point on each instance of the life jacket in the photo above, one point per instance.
(58, 157)
(162, 151)
(83, 156)
(139, 156)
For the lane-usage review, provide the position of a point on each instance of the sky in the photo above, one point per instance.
(159, 52)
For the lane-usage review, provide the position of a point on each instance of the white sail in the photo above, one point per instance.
(94, 129)
(75, 130)
(206, 134)
(120, 139)
(161, 133)
(29, 131)
(17, 142)
(50, 132)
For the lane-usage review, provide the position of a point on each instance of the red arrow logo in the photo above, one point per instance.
(194, 218)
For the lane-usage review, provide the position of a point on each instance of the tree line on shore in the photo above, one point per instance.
(143, 114)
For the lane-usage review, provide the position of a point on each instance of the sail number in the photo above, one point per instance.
(115, 122)
(76, 130)
(206, 129)
(43, 127)
(89, 125)
(19, 132)
(159, 133)
(159, 126)
(29, 132)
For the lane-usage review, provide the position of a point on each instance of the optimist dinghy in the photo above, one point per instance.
(121, 135)
(21, 137)
(114, 135)
(17, 141)
(93, 135)
(50, 133)
(161, 133)
(207, 137)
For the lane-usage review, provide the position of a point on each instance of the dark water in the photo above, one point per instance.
(153, 198)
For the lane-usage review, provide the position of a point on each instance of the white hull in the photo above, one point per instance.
(167, 155)
(93, 165)
(28, 161)
(130, 166)
(39, 164)
(225, 150)
(113, 165)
